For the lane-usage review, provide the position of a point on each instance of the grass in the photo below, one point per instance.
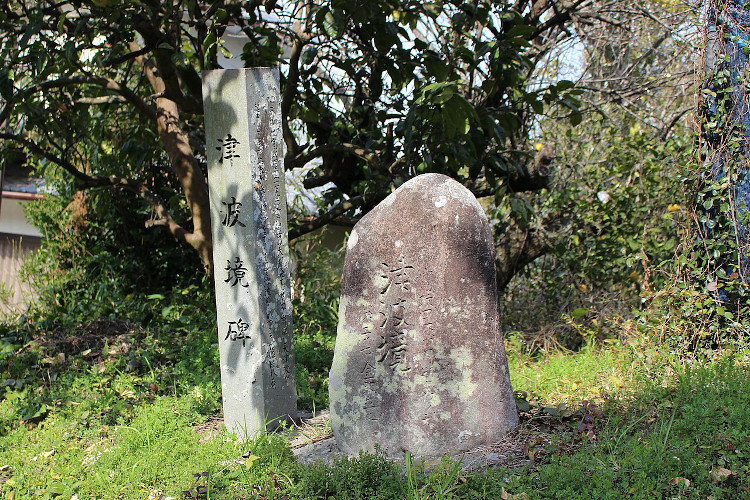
(118, 417)
(689, 435)
(560, 376)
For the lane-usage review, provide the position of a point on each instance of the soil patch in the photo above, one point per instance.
(93, 336)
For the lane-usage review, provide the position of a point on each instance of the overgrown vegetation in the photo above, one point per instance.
(126, 406)
(627, 341)
(115, 410)
(316, 317)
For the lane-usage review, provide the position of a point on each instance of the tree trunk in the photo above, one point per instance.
(516, 247)
(185, 166)
(191, 179)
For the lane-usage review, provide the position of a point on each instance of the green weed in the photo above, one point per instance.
(117, 418)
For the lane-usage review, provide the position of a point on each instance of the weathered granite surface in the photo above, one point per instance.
(419, 362)
(245, 153)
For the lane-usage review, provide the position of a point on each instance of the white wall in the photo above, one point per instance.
(12, 219)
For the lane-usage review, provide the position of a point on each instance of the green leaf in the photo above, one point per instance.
(208, 44)
(523, 405)
(433, 9)
(491, 179)
(6, 83)
(32, 29)
(61, 21)
(580, 312)
(563, 85)
(437, 68)
(536, 105)
(575, 118)
(57, 488)
(325, 19)
(552, 411)
(520, 30)
(308, 56)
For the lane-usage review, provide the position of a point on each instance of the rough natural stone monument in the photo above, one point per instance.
(244, 150)
(419, 363)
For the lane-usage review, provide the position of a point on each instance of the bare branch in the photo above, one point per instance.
(160, 46)
(302, 160)
(38, 150)
(314, 182)
(335, 213)
(212, 9)
(664, 133)
(101, 81)
(128, 56)
(530, 174)
(164, 217)
(518, 246)
(289, 92)
(89, 181)
(110, 99)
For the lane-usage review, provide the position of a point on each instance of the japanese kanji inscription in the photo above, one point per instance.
(248, 215)
(419, 363)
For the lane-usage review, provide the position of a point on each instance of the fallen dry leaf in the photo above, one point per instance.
(504, 495)
(721, 474)
(680, 481)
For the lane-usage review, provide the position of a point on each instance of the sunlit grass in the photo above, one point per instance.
(669, 426)
(588, 375)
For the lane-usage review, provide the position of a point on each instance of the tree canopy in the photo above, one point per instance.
(106, 94)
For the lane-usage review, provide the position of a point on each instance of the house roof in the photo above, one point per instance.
(23, 189)
(17, 182)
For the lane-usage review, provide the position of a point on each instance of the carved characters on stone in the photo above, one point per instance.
(419, 363)
(253, 299)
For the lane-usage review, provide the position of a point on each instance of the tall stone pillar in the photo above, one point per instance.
(251, 255)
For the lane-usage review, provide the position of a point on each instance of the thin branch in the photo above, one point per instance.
(159, 44)
(212, 10)
(345, 221)
(290, 91)
(664, 133)
(101, 81)
(559, 19)
(89, 181)
(335, 213)
(302, 160)
(164, 217)
(313, 182)
(128, 56)
(35, 148)
(518, 246)
(110, 99)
